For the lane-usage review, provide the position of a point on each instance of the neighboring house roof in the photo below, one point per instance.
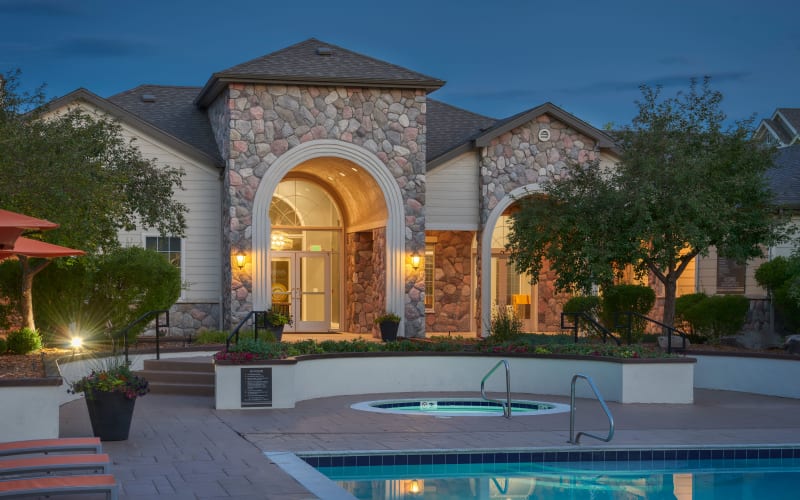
(450, 131)
(783, 127)
(133, 119)
(314, 62)
(784, 177)
(172, 110)
(482, 135)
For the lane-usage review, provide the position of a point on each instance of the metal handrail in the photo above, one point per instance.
(262, 315)
(573, 439)
(507, 405)
(605, 332)
(669, 331)
(124, 332)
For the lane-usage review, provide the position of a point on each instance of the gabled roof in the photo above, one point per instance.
(475, 131)
(172, 110)
(314, 62)
(784, 177)
(450, 131)
(187, 144)
(783, 126)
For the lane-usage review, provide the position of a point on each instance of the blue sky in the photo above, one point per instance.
(498, 57)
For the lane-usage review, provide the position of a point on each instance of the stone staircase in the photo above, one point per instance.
(186, 376)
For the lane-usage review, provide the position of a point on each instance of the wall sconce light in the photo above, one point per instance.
(415, 260)
(240, 260)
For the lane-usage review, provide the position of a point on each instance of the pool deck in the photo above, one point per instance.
(180, 447)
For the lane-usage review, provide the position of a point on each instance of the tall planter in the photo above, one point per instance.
(111, 414)
(276, 331)
(388, 330)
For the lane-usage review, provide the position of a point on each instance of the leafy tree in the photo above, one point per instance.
(684, 183)
(78, 170)
(781, 276)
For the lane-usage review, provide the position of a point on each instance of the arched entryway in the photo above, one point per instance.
(356, 187)
(537, 306)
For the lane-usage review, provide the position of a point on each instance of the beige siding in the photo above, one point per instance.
(707, 276)
(201, 245)
(451, 200)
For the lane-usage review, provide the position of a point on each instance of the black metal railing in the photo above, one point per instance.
(667, 330)
(146, 316)
(591, 323)
(259, 323)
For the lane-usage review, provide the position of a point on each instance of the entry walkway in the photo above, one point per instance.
(180, 447)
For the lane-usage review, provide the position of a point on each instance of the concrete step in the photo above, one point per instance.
(189, 376)
(183, 389)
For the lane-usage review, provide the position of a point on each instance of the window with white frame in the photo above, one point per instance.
(169, 247)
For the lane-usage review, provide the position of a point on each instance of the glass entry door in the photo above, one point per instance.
(301, 287)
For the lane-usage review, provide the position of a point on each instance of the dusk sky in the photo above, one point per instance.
(498, 57)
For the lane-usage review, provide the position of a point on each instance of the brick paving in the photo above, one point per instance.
(180, 447)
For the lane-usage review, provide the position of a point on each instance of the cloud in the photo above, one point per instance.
(46, 8)
(99, 47)
(673, 61)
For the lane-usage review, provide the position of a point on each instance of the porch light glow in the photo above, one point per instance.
(240, 260)
(415, 260)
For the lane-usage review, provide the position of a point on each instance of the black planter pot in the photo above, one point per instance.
(111, 414)
(389, 330)
(276, 331)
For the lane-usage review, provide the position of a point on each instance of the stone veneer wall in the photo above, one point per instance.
(452, 282)
(365, 284)
(518, 158)
(551, 302)
(268, 120)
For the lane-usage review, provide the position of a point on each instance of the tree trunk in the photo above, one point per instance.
(26, 294)
(670, 290)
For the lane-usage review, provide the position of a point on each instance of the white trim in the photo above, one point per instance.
(788, 124)
(486, 250)
(395, 225)
(362, 227)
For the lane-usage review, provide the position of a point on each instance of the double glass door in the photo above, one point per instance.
(301, 287)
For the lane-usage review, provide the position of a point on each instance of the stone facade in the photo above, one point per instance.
(452, 282)
(189, 319)
(265, 121)
(365, 285)
(518, 158)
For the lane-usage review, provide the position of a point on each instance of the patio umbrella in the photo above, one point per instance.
(13, 224)
(35, 248)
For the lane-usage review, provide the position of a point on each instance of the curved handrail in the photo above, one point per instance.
(573, 439)
(605, 332)
(124, 332)
(507, 404)
(259, 323)
(235, 332)
(669, 330)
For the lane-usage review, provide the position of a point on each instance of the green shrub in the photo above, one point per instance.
(589, 304)
(619, 299)
(3, 346)
(505, 325)
(715, 316)
(24, 341)
(685, 313)
(781, 276)
(211, 337)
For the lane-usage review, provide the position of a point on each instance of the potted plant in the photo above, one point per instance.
(275, 322)
(111, 391)
(388, 323)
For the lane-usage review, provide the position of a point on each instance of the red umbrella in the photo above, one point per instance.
(35, 248)
(13, 224)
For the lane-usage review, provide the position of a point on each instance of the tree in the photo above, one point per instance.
(683, 184)
(78, 170)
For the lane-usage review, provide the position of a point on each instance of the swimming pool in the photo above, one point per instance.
(681, 473)
(458, 407)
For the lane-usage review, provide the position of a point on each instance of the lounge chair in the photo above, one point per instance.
(60, 485)
(60, 445)
(50, 464)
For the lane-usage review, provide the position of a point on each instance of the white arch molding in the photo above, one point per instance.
(486, 249)
(395, 225)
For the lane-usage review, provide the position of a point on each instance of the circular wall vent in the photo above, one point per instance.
(544, 135)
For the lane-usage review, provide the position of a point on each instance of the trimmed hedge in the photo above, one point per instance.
(715, 316)
(623, 298)
(23, 341)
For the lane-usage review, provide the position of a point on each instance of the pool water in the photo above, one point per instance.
(683, 479)
(458, 407)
